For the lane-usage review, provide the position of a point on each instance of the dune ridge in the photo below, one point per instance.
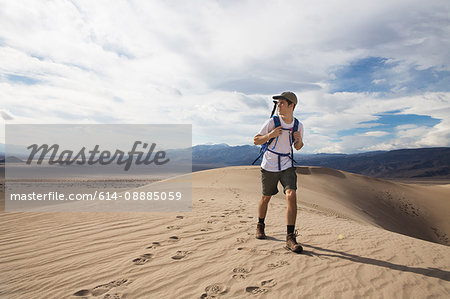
(211, 252)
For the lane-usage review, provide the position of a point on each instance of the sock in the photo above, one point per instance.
(290, 229)
(261, 220)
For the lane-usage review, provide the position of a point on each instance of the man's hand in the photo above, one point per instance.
(261, 139)
(275, 132)
(297, 135)
(298, 144)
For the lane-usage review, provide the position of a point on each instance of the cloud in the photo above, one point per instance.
(376, 74)
(376, 133)
(356, 122)
(262, 86)
(216, 65)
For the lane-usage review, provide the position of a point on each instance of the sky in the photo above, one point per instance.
(369, 75)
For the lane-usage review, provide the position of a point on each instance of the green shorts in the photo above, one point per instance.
(288, 179)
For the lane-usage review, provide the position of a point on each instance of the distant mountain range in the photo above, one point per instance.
(404, 163)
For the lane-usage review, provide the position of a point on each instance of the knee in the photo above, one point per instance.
(291, 194)
(265, 198)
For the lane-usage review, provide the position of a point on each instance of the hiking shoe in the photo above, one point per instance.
(291, 243)
(260, 231)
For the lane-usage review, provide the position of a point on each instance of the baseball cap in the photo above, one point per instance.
(287, 95)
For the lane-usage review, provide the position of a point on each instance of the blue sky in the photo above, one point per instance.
(386, 125)
(378, 74)
(369, 75)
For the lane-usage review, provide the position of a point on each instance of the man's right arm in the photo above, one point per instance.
(261, 139)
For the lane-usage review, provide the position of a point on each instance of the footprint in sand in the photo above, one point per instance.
(101, 289)
(240, 240)
(173, 227)
(239, 276)
(255, 250)
(263, 288)
(268, 283)
(256, 290)
(240, 273)
(180, 255)
(278, 264)
(180, 217)
(154, 245)
(82, 293)
(142, 259)
(174, 239)
(113, 296)
(214, 290)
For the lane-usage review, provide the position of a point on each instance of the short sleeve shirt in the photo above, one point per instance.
(282, 145)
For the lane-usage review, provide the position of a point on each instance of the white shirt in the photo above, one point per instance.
(270, 160)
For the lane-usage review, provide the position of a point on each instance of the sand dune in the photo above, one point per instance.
(418, 211)
(211, 252)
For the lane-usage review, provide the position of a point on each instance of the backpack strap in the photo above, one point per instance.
(292, 140)
(265, 146)
(276, 120)
(294, 129)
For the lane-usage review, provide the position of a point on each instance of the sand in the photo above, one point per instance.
(360, 235)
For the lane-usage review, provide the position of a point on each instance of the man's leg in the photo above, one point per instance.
(291, 216)
(291, 211)
(289, 182)
(269, 182)
(262, 207)
(262, 212)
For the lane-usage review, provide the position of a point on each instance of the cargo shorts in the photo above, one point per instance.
(269, 180)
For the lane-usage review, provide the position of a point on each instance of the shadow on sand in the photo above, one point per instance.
(431, 272)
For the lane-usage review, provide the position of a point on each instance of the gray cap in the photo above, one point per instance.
(287, 95)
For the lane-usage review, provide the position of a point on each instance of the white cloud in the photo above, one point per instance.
(350, 110)
(161, 62)
(406, 136)
(376, 133)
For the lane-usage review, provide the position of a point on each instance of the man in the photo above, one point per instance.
(280, 168)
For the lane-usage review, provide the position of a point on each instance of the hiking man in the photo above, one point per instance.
(278, 135)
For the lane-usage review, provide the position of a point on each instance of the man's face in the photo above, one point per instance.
(284, 108)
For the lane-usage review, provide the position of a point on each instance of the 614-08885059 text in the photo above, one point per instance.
(157, 195)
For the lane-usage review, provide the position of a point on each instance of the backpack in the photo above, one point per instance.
(265, 147)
